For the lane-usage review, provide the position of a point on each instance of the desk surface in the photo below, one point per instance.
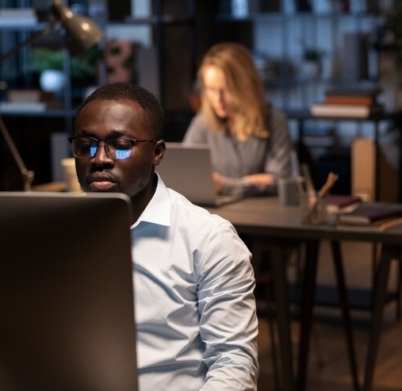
(266, 217)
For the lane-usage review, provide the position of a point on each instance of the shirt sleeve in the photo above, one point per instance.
(196, 132)
(228, 320)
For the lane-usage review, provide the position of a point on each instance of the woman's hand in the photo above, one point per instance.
(260, 179)
(218, 181)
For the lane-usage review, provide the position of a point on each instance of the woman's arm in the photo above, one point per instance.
(248, 185)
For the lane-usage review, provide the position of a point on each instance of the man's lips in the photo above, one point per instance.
(101, 182)
(101, 185)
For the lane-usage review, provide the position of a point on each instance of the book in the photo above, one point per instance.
(368, 213)
(350, 100)
(338, 110)
(339, 202)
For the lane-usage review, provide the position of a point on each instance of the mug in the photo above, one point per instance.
(288, 190)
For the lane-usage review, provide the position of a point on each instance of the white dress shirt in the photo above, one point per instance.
(194, 303)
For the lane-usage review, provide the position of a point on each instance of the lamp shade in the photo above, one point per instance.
(81, 32)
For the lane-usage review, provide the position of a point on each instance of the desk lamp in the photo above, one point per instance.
(81, 34)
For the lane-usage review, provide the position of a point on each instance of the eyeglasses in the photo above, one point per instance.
(117, 148)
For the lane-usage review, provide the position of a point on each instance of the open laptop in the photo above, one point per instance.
(188, 170)
(66, 293)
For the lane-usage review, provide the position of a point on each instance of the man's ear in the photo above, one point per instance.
(159, 151)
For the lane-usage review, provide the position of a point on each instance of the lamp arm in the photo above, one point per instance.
(27, 175)
(31, 39)
(86, 34)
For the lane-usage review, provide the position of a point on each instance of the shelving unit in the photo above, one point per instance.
(29, 130)
(179, 33)
(173, 78)
(277, 40)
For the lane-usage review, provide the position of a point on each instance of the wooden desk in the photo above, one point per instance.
(59, 186)
(264, 218)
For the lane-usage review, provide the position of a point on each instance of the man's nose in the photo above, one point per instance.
(101, 154)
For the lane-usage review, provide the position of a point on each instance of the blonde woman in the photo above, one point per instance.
(249, 141)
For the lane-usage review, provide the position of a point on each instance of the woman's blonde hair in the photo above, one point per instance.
(243, 83)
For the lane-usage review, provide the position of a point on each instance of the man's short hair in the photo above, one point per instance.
(154, 116)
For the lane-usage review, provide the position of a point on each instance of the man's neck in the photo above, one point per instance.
(140, 201)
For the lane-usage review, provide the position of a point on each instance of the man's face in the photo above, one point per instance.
(103, 119)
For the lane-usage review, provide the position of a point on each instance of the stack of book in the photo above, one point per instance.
(379, 214)
(25, 100)
(348, 102)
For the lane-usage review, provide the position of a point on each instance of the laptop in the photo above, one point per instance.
(66, 293)
(188, 170)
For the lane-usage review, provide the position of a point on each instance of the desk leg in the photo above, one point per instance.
(380, 291)
(344, 302)
(306, 313)
(377, 162)
(280, 284)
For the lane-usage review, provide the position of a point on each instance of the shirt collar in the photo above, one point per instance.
(158, 209)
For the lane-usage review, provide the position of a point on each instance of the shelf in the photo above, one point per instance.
(280, 81)
(24, 26)
(164, 20)
(280, 17)
(304, 114)
(39, 114)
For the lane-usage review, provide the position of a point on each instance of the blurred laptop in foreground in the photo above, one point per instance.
(66, 293)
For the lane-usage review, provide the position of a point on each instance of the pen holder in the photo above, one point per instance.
(313, 210)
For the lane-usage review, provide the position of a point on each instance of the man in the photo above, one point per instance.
(193, 281)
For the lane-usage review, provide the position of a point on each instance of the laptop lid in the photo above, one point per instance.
(66, 293)
(188, 170)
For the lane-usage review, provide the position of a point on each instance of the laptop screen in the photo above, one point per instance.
(188, 170)
(66, 293)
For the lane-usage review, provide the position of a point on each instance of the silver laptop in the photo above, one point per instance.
(188, 170)
(66, 293)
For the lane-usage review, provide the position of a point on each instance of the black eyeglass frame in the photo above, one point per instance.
(133, 142)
